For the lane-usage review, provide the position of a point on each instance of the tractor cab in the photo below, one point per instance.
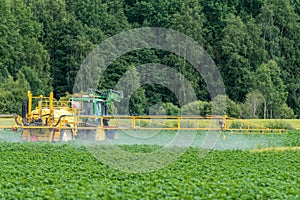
(88, 109)
(89, 106)
(95, 103)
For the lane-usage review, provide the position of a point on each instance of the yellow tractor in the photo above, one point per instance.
(44, 119)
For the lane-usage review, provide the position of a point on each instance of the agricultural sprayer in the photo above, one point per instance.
(86, 116)
(44, 119)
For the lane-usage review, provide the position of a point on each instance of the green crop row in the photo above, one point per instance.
(69, 171)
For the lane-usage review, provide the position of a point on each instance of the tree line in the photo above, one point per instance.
(254, 43)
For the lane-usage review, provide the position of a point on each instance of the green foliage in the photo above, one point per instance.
(253, 102)
(271, 86)
(241, 125)
(37, 86)
(167, 109)
(171, 109)
(66, 97)
(254, 43)
(24, 61)
(12, 94)
(241, 50)
(134, 101)
(284, 112)
(233, 110)
(279, 124)
(222, 105)
(20, 41)
(138, 102)
(63, 171)
(197, 108)
(244, 111)
(143, 123)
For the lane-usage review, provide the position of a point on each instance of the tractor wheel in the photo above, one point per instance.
(66, 135)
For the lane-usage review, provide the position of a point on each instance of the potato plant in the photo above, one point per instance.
(69, 171)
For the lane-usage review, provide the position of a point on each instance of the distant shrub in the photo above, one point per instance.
(171, 109)
(166, 109)
(279, 124)
(197, 108)
(222, 105)
(143, 123)
(239, 124)
(233, 109)
(284, 112)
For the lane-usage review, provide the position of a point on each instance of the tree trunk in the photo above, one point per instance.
(265, 109)
(271, 113)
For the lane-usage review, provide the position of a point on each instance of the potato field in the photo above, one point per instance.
(69, 171)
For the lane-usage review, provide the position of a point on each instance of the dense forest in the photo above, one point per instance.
(255, 45)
